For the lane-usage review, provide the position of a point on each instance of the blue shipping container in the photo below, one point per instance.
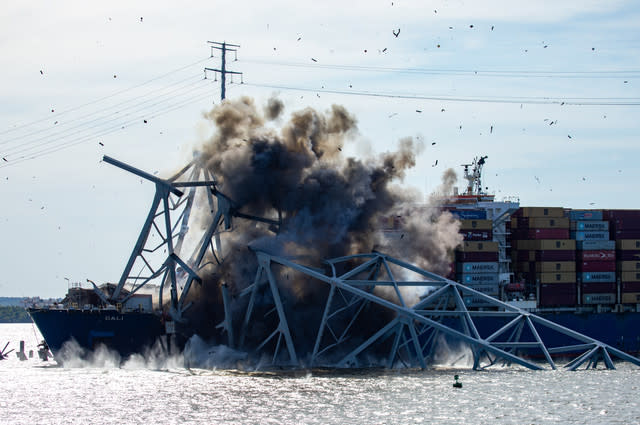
(591, 226)
(596, 245)
(478, 267)
(590, 236)
(598, 276)
(478, 278)
(575, 215)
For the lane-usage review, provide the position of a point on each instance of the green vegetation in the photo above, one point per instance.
(13, 314)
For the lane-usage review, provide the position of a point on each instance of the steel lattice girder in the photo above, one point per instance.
(413, 328)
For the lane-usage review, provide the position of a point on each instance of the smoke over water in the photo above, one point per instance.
(330, 205)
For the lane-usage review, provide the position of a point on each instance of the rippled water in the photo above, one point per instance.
(140, 392)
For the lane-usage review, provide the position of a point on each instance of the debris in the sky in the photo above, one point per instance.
(569, 136)
(365, 50)
(593, 48)
(438, 46)
(433, 143)
(442, 110)
(393, 115)
(491, 27)
(418, 111)
(55, 123)
(396, 33)
(299, 38)
(141, 19)
(436, 163)
(625, 81)
(384, 50)
(4, 159)
(41, 73)
(145, 121)
(471, 26)
(491, 129)
(313, 59)
(52, 110)
(101, 144)
(450, 28)
(545, 46)
(537, 179)
(114, 75)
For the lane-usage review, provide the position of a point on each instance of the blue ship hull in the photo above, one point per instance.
(126, 333)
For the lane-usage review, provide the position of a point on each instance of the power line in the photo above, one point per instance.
(480, 99)
(612, 74)
(82, 139)
(15, 128)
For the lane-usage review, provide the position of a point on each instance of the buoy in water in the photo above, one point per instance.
(456, 384)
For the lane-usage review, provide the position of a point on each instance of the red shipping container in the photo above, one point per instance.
(551, 233)
(600, 255)
(596, 266)
(556, 255)
(630, 286)
(599, 287)
(628, 255)
(557, 294)
(625, 234)
(522, 255)
(621, 214)
(476, 256)
(624, 224)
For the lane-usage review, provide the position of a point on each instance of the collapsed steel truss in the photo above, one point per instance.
(411, 333)
(165, 256)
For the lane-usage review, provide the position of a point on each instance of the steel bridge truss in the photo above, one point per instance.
(408, 335)
(166, 253)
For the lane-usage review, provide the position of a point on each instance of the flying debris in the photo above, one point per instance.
(442, 110)
(145, 121)
(491, 130)
(299, 38)
(471, 26)
(141, 19)
(396, 34)
(384, 50)
(41, 73)
(114, 75)
(101, 144)
(436, 163)
(4, 159)
(419, 111)
(433, 143)
(491, 27)
(313, 59)
(569, 136)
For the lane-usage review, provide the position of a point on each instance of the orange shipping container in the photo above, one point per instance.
(555, 244)
(566, 277)
(630, 277)
(542, 211)
(628, 266)
(630, 298)
(555, 266)
(479, 246)
(624, 244)
(548, 223)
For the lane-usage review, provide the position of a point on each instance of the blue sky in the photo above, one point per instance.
(66, 215)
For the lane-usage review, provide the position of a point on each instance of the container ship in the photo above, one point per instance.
(577, 268)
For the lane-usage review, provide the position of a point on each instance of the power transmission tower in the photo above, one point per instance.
(224, 47)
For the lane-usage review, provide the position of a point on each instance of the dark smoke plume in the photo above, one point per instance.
(330, 205)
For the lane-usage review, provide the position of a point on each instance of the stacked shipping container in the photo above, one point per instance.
(596, 260)
(477, 258)
(624, 228)
(544, 256)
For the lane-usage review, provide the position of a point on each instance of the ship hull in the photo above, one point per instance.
(126, 333)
